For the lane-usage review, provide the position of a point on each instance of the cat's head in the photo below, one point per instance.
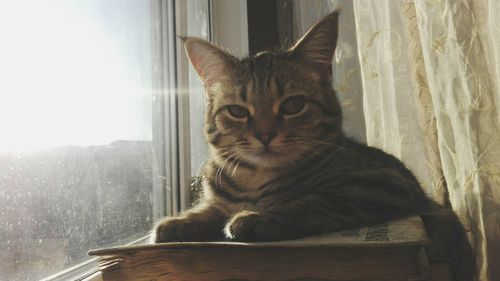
(274, 108)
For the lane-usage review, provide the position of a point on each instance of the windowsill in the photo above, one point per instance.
(87, 271)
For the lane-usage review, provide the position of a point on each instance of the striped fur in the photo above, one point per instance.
(274, 175)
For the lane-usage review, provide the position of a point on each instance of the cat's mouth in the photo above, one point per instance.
(268, 151)
(268, 155)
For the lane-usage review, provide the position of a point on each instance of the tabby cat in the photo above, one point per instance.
(280, 166)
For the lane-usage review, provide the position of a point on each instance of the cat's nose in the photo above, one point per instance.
(265, 127)
(265, 138)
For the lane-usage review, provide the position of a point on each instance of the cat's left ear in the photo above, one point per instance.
(317, 46)
(210, 62)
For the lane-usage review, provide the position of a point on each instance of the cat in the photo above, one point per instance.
(280, 166)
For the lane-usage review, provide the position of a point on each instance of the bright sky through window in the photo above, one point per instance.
(65, 78)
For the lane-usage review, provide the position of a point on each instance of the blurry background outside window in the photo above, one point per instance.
(76, 131)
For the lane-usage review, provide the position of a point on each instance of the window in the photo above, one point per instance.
(78, 164)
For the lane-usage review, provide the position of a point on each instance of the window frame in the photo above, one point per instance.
(165, 142)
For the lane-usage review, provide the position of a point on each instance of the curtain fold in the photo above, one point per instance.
(430, 73)
(397, 107)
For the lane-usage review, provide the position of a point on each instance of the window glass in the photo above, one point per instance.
(76, 131)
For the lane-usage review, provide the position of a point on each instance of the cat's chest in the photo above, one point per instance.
(239, 183)
(239, 190)
(254, 181)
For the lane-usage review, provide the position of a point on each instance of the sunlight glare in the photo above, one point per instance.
(63, 80)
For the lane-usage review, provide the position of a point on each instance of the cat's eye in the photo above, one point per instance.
(238, 111)
(292, 105)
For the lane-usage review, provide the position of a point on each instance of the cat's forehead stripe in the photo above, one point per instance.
(279, 87)
(261, 68)
(273, 88)
(265, 77)
(267, 88)
(243, 92)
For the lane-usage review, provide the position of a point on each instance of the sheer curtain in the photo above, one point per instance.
(430, 73)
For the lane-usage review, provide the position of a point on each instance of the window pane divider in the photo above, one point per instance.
(166, 183)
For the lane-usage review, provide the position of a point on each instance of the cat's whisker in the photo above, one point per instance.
(306, 139)
(234, 159)
(313, 142)
(236, 166)
(218, 174)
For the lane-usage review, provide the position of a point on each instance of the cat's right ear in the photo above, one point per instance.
(211, 63)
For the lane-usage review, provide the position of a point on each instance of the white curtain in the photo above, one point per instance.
(430, 72)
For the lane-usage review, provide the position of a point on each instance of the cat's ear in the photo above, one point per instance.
(210, 62)
(317, 46)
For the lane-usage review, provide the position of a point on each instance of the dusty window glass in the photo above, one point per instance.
(76, 131)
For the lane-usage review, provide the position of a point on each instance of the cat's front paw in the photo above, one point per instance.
(252, 226)
(176, 230)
